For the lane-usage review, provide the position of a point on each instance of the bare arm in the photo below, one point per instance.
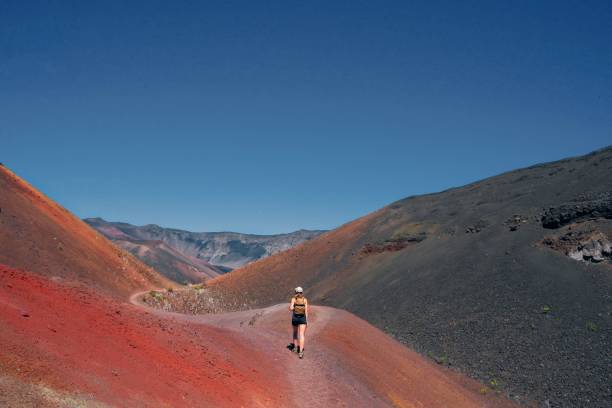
(306, 308)
(292, 303)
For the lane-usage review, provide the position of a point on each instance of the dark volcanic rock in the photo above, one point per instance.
(579, 210)
(476, 228)
(495, 302)
(513, 223)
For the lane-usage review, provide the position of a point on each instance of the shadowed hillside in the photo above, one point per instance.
(39, 235)
(507, 279)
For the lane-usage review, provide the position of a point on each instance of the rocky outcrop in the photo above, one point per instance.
(596, 249)
(582, 209)
(591, 246)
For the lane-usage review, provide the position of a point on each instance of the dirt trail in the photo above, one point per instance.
(347, 363)
(316, 380)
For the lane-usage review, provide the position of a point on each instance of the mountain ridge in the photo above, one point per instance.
(226, 250)
(39, 235)
(472, 276)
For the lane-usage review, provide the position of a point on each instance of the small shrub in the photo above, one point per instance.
(546, 309)
(484, 390)
(156, 295)
(170, 290)
(591, 326)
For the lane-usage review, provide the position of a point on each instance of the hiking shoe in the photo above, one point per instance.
(301, 354)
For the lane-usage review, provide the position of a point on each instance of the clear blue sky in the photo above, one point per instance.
(269, 116)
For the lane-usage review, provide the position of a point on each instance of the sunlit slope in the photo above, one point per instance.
(70, 345)
(472, 277)
(39, 235)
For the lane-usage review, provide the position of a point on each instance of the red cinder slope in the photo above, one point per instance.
(68, 344)
(39, 235)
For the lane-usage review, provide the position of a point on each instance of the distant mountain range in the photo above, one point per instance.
(185, 256)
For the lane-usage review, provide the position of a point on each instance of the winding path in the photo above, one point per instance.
(348, 363)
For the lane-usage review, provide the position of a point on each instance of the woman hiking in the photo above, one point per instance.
(299, 317)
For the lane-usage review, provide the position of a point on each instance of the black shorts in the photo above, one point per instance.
(298, 319)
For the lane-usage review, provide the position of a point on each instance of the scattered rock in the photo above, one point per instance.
(476, 228)
(395, 243)
(513, 223)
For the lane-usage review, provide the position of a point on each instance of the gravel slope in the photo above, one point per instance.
(472, 277)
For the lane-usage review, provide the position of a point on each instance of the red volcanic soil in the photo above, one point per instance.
(39, 235)
(350, 363)
(87, 347)
(65, 343)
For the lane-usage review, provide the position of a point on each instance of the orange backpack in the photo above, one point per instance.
(299, 306)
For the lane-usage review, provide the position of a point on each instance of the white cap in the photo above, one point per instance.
(299, 289)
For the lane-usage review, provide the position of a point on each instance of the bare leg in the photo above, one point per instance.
(302, 333)
(295, 336)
